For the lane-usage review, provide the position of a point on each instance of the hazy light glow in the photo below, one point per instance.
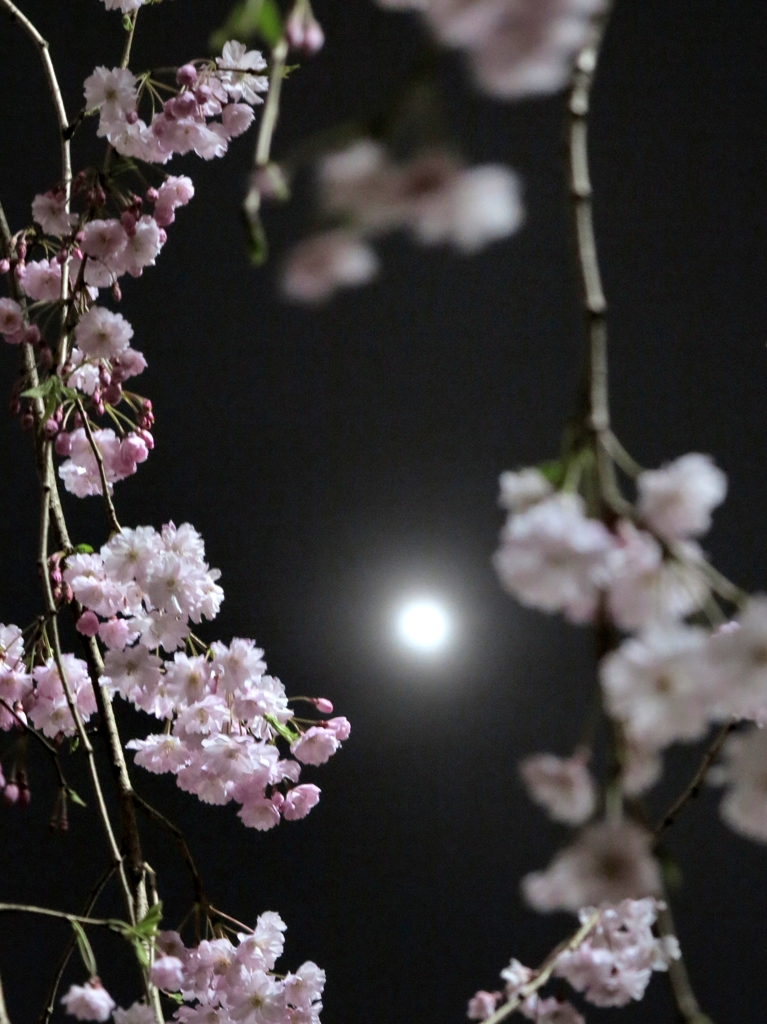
(423, 625)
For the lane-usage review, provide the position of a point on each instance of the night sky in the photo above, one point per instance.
(337, 460)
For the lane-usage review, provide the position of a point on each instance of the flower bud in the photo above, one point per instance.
(128, 221)
(152, 195)
(202, 93)
(27, 421)
(87, 624)
(32, 334)
(50, 428)
(185, 105)
(187, 75)
(5, 266)
(323, 705)
(63, 444)
(10, 794)
(132, 116)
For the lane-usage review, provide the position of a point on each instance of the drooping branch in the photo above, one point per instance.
(272, 107)
(62, 915)
(113, 521)
(50, 1003)
(4, 1018)
(545, 971)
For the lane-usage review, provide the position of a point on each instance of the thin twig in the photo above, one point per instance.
(113, 520)
(152, 812)
(90, 922)
(63, 122)
(52, 612)
(54, 754)
(692, 789)
(96, 891)
(545, 971)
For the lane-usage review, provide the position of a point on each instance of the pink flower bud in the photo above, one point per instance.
(5, 266)
(10, 794)
(185, 105)
(116, 292)
(168, 108)
(113, 394)
(27, 421)
(203, 93)
(80, 237)
(87, 624)
(51, 427)
(132, 116)
(128, 221)
(63, 444)
(323, 705)
(187, 75)
(45, 358)
(151, 195)
(32, 334)
(61, 255)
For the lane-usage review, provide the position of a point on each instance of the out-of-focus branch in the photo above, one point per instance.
(692, 789)
(679, 980)
(62, 915)
(272, 107)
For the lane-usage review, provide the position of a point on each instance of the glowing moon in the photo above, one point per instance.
(423, 625)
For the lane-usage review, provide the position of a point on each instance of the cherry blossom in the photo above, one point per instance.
(554, 558)
(744, 772)
(11, 319)
(520, 490)
(49, 211)
(103, 334)
(614, 963)
(41, 280)
(656, 684)
(563, 786)
(139, 1013)
(608, 862)
(89, 1002)
(49, 710)
(236, 66)
(323, 263)
(677, 500)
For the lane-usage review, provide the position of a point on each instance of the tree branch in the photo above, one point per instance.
(62, 915)
(692, 789)
(50, 1004)
(114, 523)
(545, 971)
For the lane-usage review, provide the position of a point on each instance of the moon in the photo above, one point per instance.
(423, 625)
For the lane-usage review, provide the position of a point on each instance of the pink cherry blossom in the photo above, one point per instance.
(564, 786)
(41, 280)
(168, 973)
(236, 66)
(608, 862)
(677, 500)
(482, 1005)
(554, 558)
(316, 746)
(89, 1002)
(49, 211)
(300, 801)
(11, 318)
(102, 334)
(520, 490)
(323, 263)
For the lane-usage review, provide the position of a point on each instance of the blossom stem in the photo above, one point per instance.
(272, 108)
(694, 785)
(545, 971)
(113, 520)
(50, 1004)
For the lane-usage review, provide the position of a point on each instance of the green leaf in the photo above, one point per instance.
(250, 19)
(75, 798)
(146, 928)
(553, 470)
(86, 952)
(83, 549)
(287, 731)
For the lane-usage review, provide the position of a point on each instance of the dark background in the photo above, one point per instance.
(337, 459)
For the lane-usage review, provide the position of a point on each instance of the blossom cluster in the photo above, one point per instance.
(142, 594)
(433, 196)
(187, 122)
(217, 980)
(517, 48)
(611, 966)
